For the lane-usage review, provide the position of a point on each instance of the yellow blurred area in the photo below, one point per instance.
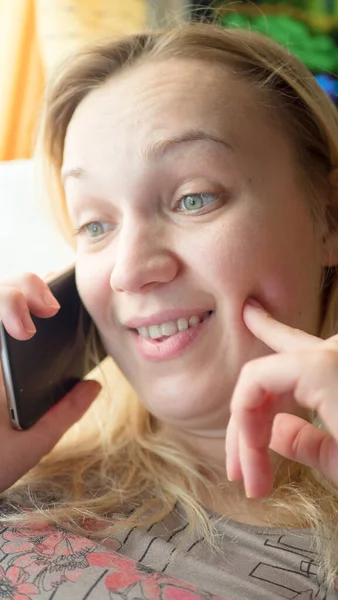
(34, 35)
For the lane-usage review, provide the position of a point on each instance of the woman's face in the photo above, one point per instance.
(193, 204)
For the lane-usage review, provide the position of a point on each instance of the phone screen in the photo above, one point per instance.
(40, 371)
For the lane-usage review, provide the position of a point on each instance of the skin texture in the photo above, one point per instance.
(256, 237)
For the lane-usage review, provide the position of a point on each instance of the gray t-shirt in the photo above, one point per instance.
(251, 563)
(254, 563)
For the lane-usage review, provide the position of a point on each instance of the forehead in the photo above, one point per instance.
(147, 102)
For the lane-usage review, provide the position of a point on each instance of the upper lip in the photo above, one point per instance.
(164, 316)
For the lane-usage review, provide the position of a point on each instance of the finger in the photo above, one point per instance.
(264, 387)
(254, 443)
(17, 302)
(49, 276)
(233, 465)
(15, 315)
(257, 470)
(278, 336)
(310, 378)
(262, 379)
(65, 413)
(34, 443)
(302, 442)
(40, 300)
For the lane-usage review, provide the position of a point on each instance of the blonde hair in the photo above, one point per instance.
(129, 469)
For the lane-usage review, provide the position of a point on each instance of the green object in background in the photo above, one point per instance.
(318, 52)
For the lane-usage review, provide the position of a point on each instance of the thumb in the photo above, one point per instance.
(45, 434)
(24, 449)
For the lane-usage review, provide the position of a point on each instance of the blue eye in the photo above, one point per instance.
(193, 202)
(94, 229)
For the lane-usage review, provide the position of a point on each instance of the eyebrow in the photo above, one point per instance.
(157, 150)
(75, 172)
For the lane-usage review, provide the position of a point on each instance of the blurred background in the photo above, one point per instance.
(36, 34)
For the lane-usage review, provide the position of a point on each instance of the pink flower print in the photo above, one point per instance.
(20, 541)
(46, 541)
(144, 583)
(13, 585)
(53, 555)
(126, 573)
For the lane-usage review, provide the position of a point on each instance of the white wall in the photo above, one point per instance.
(28, 240)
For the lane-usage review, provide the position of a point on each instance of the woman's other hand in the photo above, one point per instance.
(303, 372)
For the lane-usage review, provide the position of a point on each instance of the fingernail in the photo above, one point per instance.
(48, 275)
(28, 323)
(49, 300)
(95, 386)
(229, 475)
(254, 302)
(89, 393)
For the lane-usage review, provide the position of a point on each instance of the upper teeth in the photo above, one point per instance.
(169, 328)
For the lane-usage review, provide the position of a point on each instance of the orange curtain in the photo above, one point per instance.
(21, 78)
(34, 35)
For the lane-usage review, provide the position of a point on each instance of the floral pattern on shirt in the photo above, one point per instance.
(52, 555)
(142, 582)
(14, 585)
(37, 561)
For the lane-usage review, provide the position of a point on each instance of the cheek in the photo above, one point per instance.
(260, 259)
(229, 257)
(93, 284)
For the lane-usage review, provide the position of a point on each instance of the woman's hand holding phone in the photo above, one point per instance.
(22, 450)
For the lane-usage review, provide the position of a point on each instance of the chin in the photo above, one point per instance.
(187, 408)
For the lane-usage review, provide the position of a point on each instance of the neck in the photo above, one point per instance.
(228, 498)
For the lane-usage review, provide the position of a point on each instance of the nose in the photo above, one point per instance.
(143, 258)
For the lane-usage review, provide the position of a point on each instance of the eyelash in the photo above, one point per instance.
(79, 230)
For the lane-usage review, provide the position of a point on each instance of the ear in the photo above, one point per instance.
(330, 234)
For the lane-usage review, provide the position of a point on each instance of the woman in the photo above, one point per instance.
(196, 171)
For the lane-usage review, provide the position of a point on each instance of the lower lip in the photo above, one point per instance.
(173, 346)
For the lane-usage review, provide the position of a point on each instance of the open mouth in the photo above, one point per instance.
(161, 332)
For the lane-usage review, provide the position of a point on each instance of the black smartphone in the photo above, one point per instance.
(39, 372)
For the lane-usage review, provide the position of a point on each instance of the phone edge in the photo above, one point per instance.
(6, 372)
